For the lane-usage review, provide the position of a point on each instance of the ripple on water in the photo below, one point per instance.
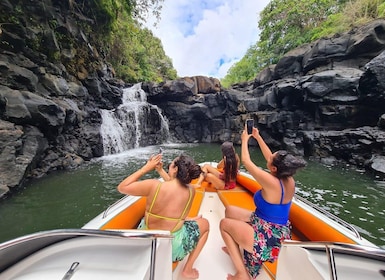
(358, 196)
(370, 214)
(336, 204)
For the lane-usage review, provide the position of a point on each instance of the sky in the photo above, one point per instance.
(206, 37)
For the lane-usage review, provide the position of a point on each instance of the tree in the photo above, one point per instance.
(134, 52)
(284, 25)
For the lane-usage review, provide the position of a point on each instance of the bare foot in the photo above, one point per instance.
(192, 274)
(224, 249)
(238, 277)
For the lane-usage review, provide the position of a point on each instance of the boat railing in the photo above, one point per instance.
(333, 248)
(330, 215)
(52, 236)
(109, 208)
(21, 247)
(352, 249)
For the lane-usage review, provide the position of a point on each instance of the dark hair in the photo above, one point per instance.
(287, 164)
(230, 160)
(187, 169)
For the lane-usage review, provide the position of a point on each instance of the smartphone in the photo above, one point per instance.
(249, 126)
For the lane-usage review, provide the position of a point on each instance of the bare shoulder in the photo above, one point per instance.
(154, 183)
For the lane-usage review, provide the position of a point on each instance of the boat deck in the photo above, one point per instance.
(213, 263)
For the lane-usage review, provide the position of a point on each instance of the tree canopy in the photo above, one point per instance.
(286, 24)
(134, 52)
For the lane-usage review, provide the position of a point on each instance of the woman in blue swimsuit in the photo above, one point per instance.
(260, 233)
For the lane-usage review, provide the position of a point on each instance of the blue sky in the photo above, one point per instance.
(207, 37)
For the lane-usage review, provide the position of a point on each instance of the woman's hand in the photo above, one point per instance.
(245, 136)
(159, 166)
(152, 163)
(255, 132)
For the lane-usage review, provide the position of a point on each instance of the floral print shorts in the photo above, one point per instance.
(267, 243)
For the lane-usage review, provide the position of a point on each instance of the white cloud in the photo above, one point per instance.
(207, 37)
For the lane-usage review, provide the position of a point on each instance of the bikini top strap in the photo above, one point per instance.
(184, 210)
(282, 191)
(153, 200)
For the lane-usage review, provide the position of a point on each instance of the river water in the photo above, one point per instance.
(70, 199)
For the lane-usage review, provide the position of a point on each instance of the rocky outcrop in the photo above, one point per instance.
(323, 100)
(50, 98)
(20, 153)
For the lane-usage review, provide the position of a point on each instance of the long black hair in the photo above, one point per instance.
(230, 160)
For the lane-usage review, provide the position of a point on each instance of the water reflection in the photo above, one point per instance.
(70, 199)
(352, 196)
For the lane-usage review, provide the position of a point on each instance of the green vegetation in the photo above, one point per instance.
(135, 54)
(286, 24)
(97, 32)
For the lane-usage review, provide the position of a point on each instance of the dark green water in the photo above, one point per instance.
(70, 199)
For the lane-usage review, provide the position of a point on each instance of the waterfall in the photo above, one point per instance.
(135, 123)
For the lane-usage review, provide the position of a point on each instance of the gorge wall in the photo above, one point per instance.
(323, 100)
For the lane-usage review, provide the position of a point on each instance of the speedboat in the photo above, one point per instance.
(109, 246)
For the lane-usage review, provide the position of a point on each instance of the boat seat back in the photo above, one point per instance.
(313, 228)
(129, 218)
(197, 201)
(240, 198)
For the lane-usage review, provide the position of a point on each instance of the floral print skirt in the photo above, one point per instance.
(267, 243)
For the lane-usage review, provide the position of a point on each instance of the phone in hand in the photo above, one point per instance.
(249, 126)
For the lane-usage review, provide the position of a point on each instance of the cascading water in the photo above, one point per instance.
(133, 124)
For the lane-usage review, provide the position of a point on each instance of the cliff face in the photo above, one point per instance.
(53, 83)
(323, 100)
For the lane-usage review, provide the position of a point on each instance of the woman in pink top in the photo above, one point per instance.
(225, 175)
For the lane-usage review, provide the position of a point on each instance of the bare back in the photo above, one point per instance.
(272, 192)
(170, 207)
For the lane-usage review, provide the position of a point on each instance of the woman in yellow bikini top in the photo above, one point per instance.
(177, 220)
(169, 197)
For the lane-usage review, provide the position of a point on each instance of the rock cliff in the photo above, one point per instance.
(323, 100)
(53, 84)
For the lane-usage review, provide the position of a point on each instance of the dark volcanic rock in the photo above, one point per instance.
(323, 100)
